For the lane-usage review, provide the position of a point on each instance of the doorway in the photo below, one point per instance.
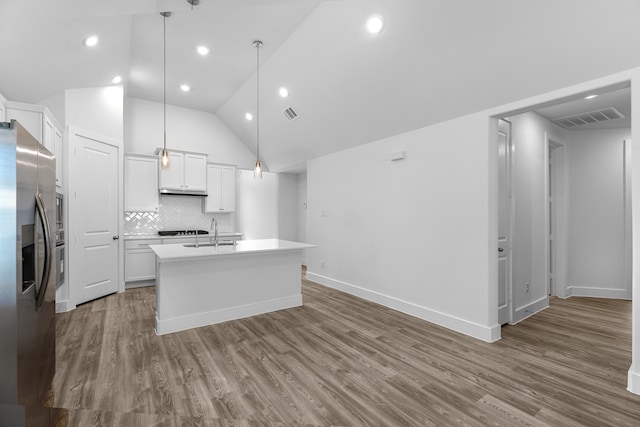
(556, 244)
(504, 221)
(95, 207)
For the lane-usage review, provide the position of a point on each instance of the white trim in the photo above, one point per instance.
(633, 380)
(475, 330)
(560, 214)
(530, 309)
(64, 306)
(627, 219)
(182, 323)
(594, 292)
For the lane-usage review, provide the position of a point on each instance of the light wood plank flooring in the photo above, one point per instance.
(342, 361)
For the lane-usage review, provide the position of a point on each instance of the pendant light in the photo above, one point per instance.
(165, 154)
(257, 172)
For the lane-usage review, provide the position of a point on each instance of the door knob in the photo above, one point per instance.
(499, 249)
(116, 237)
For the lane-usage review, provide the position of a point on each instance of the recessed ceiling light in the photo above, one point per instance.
(375, 24)
(203, 50)
(185, 88)
(248, 116)
(590, 96)
(116, 80)
(283, 92)
(90, 41)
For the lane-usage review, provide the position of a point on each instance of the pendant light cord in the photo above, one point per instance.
(258, 44)
(164, 79)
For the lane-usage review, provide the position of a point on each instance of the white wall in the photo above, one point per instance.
(287, 206)
(257, 205)
(189, 130)
(302, 211)
(57, 104)
(597, 238)
(412, 234)
(529, 228)
(99, 110)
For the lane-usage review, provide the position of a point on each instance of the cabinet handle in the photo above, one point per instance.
(115, 237)
(221, 209)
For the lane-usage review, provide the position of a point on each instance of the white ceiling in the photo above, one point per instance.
(619, 99)
(434, 60)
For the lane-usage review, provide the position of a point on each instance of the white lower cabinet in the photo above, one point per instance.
(139, 260)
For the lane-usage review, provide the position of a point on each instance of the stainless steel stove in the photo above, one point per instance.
(182, 232)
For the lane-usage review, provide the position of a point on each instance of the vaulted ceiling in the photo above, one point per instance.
(434, 59)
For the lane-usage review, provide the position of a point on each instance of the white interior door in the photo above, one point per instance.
(504, 222)
(93, 216)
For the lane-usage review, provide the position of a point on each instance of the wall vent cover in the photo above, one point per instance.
(597, 116)
(290, 113)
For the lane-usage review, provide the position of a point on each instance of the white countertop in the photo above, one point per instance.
(176, 252)
(221, 235)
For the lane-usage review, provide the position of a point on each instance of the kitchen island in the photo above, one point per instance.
(198, 286)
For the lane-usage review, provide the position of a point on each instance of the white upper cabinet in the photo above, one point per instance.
(141, 183)
(195, 172)
(221, 189)
(2, 107)
(40, 123)
(36, 119)
(172, 178)
(187, 173)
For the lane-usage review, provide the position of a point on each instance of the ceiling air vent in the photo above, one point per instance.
(290, 113)
(598, 116)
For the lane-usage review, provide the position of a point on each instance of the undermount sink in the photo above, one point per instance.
(193, 245)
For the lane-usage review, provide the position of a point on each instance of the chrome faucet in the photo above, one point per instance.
(214, 225)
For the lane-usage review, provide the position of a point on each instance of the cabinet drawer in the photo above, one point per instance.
(141, 244)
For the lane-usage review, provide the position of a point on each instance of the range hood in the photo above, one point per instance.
(173, 192)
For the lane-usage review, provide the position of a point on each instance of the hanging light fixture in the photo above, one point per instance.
(257, 172)
(165, 154)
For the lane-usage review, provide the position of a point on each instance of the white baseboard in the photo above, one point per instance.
(529, 310)
(484, 333)
(181, 323)
(583, 291)
(633, 380)
(64, 306)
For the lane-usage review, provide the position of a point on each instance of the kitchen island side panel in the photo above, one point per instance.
(203, 291)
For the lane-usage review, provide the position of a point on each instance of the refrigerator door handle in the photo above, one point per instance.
(42, 213)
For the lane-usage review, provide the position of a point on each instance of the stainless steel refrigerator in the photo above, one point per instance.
(27, 277)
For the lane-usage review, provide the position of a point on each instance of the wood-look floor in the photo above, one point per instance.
(343, 361)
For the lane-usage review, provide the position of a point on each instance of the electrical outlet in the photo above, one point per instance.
(526, 287)
(323, 264)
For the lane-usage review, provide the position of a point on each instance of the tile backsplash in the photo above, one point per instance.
(176, 213)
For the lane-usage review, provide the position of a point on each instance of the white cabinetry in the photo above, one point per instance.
(2, 107)
(141, 183)
(57, 151)
(187, 172)
(139, 260)
(221, 189)
(40, 123)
